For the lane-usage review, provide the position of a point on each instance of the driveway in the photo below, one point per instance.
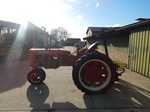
(59, 94)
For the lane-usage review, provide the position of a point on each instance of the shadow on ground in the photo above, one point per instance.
(37, 95)
(123, 95)
(13, 74)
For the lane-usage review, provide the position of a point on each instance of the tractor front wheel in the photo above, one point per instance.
(36, 76)
(93, 73)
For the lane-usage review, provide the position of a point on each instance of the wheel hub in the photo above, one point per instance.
(94, 73)
(35, 77)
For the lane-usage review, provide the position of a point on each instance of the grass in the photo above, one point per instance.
(120, 64)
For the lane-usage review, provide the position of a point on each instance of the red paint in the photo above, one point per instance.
(94, 73)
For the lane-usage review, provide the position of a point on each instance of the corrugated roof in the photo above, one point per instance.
(133, 25)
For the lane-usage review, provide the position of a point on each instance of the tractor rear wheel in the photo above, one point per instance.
(93, 73)
(36, 76)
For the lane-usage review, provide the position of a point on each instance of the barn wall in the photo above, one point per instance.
(118, 43)
(139, 50)
(117, 46)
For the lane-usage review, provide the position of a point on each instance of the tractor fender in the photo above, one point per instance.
(93, 47)
(90, 49)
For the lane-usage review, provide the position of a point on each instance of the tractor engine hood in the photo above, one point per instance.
(54, 52)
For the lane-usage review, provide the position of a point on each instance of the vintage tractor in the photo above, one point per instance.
(93, 72)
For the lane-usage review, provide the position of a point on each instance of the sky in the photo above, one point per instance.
(74, 15)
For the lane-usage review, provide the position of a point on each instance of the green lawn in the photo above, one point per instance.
(120, 64)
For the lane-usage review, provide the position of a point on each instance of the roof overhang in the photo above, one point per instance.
(9, 24)
(120, 30)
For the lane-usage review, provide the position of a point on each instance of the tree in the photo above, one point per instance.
(53, 33)
(60, 34)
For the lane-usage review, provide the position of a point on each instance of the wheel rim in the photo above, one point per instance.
(35, 77)
(94, 75)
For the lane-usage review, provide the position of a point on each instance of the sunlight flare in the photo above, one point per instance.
(18, 44)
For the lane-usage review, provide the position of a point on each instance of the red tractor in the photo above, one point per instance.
(93, 72)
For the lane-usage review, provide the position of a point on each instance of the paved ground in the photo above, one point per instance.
(59, 94)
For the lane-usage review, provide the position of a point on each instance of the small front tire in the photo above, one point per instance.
(36, 76)
(43, 74)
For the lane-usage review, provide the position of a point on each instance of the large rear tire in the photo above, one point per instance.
(93, 73)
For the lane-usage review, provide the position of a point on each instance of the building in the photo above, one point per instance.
(19, 38)
(129, 44)
(71, 41)
(96, 30)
